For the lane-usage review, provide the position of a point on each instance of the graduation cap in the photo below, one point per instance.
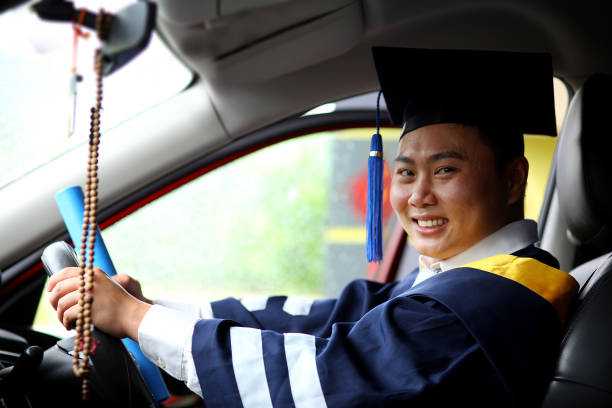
(507, 91)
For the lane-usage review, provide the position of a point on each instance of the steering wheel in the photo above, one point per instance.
(115, 379)
(40, 379)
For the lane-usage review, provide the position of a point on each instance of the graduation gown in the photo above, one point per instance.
(486, 333)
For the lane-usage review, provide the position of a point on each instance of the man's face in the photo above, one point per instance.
(446, 190)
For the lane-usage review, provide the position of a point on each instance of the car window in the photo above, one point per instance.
(35, 102)
(286, 219)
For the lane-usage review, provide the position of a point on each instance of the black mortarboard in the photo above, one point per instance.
(505, 90)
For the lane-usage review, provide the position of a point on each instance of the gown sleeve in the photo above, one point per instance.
(405, 350)
(299, 314)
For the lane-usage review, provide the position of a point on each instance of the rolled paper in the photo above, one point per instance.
(70, 202)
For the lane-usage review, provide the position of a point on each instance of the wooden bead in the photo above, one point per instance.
(86, 276)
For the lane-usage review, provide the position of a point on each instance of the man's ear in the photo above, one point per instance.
(516, 178)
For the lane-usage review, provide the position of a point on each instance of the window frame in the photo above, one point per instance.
(23, 281)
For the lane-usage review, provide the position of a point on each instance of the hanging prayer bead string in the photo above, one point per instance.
(83, 340)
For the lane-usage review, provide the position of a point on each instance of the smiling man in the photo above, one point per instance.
(447, 191)
(450, 192)
(477, 324)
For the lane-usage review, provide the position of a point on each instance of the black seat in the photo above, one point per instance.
(583, 376)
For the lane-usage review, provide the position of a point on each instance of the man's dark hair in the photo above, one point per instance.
(505, 144)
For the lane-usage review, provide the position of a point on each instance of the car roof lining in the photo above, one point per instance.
(262, 73)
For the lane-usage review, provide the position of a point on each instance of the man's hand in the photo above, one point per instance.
(132, 286)
(114, 310)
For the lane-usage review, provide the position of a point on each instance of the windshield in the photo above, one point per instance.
(36, 105)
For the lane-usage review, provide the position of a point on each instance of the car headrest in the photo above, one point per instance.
(584, 158)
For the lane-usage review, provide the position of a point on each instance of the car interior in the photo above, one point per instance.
(253, 75)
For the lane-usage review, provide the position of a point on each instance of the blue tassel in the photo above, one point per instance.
(374, 225)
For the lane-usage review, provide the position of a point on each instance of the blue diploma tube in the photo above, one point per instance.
(71, 205)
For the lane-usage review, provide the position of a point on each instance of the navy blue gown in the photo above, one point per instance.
(483, 334)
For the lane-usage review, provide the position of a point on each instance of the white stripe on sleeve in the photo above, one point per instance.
(303, 375)
(254, 303)
(297, 305)
(249, 370)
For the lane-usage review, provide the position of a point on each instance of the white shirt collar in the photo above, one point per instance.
(506, 240)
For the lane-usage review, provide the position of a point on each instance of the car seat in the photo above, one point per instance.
(583, 375)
